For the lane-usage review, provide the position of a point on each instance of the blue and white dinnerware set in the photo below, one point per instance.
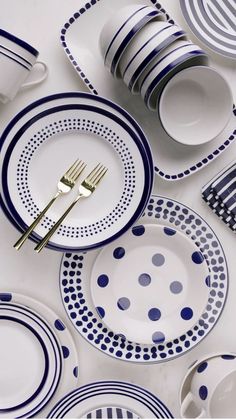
(143, 278)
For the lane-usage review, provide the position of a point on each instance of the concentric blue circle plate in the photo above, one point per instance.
(75, 273)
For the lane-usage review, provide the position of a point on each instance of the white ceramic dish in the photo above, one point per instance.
(147, 44)
(119, 31)
(164, 66)
(41, 321)
(208, 389)
(134, 399)
(195, 105)
(141, 285)
(172, 161)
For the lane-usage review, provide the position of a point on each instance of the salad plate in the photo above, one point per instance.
(144, 286)
(172, 161)
(85, 126)
(213, 22)
(76, 269)
(108, 396)
(27, 323)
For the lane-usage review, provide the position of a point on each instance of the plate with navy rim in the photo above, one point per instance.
(110, 412)
(144, 285)
(94, 395)
(172, 161)
(40, 319)
(213, 22)
(76, 296)
(99, 125)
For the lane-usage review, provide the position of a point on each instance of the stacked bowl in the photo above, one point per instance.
(155, 58)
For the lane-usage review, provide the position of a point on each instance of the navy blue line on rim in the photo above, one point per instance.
(19, 42)
(45, 327)
(17, 55)
(117, 33)
(167, 69)
(152, 55)
(46, 369)
(110, 387)
(142, 47)
(144, 151)
(13, 59)
(128, 38)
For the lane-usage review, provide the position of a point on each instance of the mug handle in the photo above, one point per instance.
(40, 79)
(185, 405)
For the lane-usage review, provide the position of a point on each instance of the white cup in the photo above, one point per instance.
(212, 391)
(17, 61)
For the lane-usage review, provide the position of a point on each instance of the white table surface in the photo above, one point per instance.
(39, 22)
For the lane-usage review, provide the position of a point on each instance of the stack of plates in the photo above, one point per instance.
(44, 139)
(220, 194)
(31, 334)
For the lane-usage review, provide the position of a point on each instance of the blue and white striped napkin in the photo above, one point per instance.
(220, 194)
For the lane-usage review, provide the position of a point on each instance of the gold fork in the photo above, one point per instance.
(86, 188)
(65, 184)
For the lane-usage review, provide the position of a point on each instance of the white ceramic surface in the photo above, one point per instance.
(146, 45)
(121, 29)
(195, 105)
(163, 67)
(18, 46)
(172, 161)
(212, 387)
(144, 286)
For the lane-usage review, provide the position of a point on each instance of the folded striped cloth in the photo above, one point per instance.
(220, 194)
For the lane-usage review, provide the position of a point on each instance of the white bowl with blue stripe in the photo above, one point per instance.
(179, 55)
(118, 32)
(146, 46)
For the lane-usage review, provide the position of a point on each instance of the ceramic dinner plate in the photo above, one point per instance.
(144, 286)
(172, 161)
(88, 128)
(110, 399)
(213, 22)
(76, 269)
(38, 360)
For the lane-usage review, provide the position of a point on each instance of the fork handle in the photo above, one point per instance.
(29, 230)
(45, 240)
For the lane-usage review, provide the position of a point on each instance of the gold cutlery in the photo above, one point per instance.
(86, 188)
(65, 184)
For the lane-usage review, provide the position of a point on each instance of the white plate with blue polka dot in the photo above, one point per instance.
(76, 270)
(38, 359)
(150, 285)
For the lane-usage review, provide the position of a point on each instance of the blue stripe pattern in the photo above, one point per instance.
(13, 59)
(19, 42)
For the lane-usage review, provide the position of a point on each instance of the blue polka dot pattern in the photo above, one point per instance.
(103, 280)
(208, 281)
(158, 259)
(123, 303)
(228, 357)
(173, 214)
(154, 314)
(203, 392)
(186, 313)
(169, 231)
(101, 312)
(144, 279)
(176, 287)
(65, 352)
(76, 372)
(138, 230)
(202, 367)
(5, 296)
(197, 257)
(158, 337)
(59, 325)
(119, 253)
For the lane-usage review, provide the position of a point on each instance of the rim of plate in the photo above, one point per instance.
(105, 386)
(186, 349)
(141, 143)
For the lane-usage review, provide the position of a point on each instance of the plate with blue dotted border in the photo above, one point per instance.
(75, 272)
(69, 368)
(172, 161)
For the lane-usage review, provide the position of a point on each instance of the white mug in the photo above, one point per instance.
(213, 389)
(17, 60)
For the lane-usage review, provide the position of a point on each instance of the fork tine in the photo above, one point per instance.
(71, 168)
(99, 177)
(93, 172)
(78, 172)
(74, 170)
(100, 169)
